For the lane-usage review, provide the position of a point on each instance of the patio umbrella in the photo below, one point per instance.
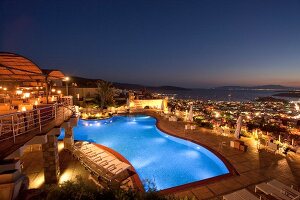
(162, 105)
(191, 114)
(186, 116)
(128, 103)
(238, 128)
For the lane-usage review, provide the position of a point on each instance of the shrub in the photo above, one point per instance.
(81, 190)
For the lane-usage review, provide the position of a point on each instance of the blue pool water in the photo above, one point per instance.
(163, 159)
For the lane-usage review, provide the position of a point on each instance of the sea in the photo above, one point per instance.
(223, 95)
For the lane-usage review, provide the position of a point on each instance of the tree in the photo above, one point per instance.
(105, 93)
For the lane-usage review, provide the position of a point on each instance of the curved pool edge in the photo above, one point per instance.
(229, 166)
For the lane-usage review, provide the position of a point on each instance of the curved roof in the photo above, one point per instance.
(53, 74)
(15, 67)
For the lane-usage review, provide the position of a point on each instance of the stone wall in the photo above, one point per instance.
(51, 160)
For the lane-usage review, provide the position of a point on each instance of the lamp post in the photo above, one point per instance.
(67, 88)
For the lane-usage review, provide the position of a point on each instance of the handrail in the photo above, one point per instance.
(22, 112)
(19, 123)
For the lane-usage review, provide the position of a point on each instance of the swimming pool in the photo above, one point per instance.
(165, 160)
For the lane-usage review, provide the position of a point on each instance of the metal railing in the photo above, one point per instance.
(19, 123)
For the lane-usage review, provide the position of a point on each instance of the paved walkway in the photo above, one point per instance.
(253, 166)
(69, 167)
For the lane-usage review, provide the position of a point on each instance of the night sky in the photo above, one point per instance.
(181, 43)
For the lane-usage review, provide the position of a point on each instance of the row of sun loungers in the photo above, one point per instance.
(99, 161)
(273, 188)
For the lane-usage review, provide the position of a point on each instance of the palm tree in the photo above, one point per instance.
(105, 92)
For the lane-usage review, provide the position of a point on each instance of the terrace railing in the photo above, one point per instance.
(16, 124)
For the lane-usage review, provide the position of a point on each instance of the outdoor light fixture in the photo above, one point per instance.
(5, 89)
(53, 90)
(19, 92)
(58, 91)
(67, 88)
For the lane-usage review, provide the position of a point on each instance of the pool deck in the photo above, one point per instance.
(252, 166)
(69, 167)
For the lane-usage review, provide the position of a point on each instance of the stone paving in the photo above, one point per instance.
(253, 166)
(33, 167)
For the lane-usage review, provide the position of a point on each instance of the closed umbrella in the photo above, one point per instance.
(162, 105)
(128, 103)
(191, 114)
(238, 128)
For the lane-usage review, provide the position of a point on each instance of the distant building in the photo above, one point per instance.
(160, 104)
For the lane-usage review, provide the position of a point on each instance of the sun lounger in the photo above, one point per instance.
(101, 157)
(112, 164)
(105, 161)
(98, 161)
(97, 151)
(96, 157)
(286, 189)
(240, 194)
(120, 168)
(270, 190)
(91, 154)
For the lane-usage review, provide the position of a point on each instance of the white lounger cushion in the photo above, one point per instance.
(99, 160)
